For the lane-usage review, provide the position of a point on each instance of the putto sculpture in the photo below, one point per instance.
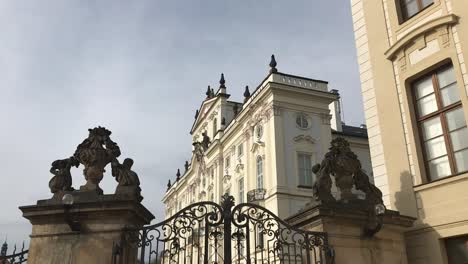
(129, 184)
(62, 180)
(95, 153)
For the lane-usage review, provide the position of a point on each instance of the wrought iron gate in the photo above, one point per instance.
(206, 232)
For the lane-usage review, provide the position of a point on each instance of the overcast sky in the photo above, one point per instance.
(140, 68)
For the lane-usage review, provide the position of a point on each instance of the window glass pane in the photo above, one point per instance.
(459, 139)
(450, 95)
(427, 105)
(411, 7)
(435, 148)
(427, 2)
(455, 119)
(457, 249)
(423, 87)
(446, 76)
(461, 159)
(432, 128)
(439, 168)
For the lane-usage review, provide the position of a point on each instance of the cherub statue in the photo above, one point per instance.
(128, 181)
(62, 180)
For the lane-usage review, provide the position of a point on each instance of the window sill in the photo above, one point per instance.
(443, 181)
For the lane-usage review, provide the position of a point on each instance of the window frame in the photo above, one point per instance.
(260, 175)
(404, 12)
(441, 114)
(241, 187)
(240, 150)
(300, 184)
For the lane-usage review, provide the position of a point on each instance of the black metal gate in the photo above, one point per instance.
(15, 257)
(206, 232)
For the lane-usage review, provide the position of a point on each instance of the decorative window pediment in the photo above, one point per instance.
(256, 146)
(239, 168)
(304, 138)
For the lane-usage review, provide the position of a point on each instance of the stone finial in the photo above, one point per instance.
(246, 93)
(169, 185)
(222, 82)
(178, 175)
(196, 114)
(212, 92)
(273, 64)
(186, 165)
(223, 121)
(208, 92)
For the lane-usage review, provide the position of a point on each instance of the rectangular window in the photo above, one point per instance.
(241, 190)
(305, 169)
(227, 162)
(240, 150)
(457, 249)
(410, 8)
(442, 124)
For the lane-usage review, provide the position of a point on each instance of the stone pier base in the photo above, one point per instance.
(345, 227)
(83, 232)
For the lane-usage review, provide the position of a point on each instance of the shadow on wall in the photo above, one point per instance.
(405, 199)
(421, 247)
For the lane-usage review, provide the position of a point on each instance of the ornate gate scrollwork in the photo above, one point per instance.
(206, 232)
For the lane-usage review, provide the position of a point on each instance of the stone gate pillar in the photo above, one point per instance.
(346, 226)
(82, 225)
(83, 232)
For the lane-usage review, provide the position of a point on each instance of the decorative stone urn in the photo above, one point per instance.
(95, 152)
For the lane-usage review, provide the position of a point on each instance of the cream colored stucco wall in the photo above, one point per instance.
(390, 56)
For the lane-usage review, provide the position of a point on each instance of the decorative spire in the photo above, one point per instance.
(273, 64)
(208, 92)
(169, 185)
(178, 175)
(222, 82)
(186, 165)
(212, 92)
(196, 114)
(246, 94)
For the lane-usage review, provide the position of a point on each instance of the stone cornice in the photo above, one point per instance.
(433, 24)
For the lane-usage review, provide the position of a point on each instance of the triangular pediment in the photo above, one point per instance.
(203, 111)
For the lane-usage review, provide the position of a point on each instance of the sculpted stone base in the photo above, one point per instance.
(99, 219)
(344, 224)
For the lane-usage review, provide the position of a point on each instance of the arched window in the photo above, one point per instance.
(215, 127)
(259, 173)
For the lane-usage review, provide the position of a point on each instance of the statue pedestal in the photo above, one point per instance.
(98, 219)
(345, 223)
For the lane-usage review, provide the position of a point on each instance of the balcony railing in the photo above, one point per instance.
(256, 195)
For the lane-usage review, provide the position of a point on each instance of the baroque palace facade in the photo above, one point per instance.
(412, 56)
(262, 150)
